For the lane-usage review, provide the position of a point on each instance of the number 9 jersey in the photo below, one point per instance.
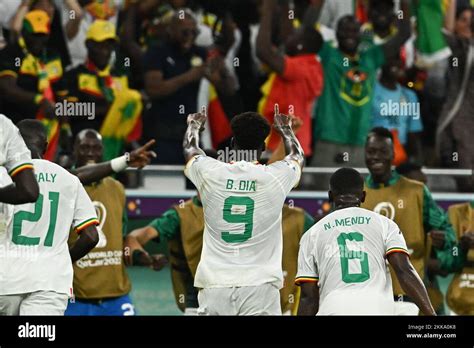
(242, 202)
(34, 250)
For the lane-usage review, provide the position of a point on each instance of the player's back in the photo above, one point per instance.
(351, 245)
(36, 236)
(242, 204)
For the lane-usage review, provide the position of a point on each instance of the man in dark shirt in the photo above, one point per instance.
(173, 73)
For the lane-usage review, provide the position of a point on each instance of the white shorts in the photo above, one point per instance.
(356, 303)
(246, 300)
(34, 303)
(406, 308)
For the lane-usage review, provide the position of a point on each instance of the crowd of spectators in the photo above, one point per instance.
(132, 70)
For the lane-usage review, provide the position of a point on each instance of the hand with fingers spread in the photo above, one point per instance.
(142, 156)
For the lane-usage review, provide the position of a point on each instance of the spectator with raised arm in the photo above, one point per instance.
(343, 112)
(296, 78)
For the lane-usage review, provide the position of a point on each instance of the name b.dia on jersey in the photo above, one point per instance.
(241, 185)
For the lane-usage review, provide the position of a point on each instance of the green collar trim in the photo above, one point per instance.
(392, 181)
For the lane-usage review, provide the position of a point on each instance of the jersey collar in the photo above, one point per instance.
(392, 181)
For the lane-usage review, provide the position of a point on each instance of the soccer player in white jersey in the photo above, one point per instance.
(342, 267)
(36, 264)
(16, 159)
(240, 272)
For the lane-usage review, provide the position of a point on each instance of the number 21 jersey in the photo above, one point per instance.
(35, 255)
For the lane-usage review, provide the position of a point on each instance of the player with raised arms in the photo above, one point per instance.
(240, 271)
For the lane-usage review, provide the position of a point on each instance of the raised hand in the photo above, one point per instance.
(198, 119)
(281, 122)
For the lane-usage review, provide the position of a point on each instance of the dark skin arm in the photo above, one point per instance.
(309, 300)
(139, 158)
(11, 91)
(127, 40)
(156, 86)
(136, 240)
(392, 47)
(411, 282)
(88, 239)
(414, 147)
(191, 137)
(217, 74)
(23, 190)
(293, 149)
(265, 50)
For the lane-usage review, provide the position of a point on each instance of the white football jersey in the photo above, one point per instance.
(345, 252)
(242, 202)
(14, 155)
(34, 252)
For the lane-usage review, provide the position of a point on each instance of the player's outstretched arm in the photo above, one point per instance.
(23, 190)
(411, 282)
(134, 251)
(88, 239)
(138, 158)
(191, 137)
(293, 149)
(309, 300)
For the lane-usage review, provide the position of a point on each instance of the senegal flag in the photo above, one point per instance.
(122, 122)
(430, 43)
(218, 122)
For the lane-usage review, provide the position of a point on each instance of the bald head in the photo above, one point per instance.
(183, 29)
(88, 147)
(88, 133)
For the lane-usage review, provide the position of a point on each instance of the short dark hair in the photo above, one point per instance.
(461, 8)
(380, 132)
(345, 19)
(32, 130)
(408, 167)
(211, 153)
(312, 39)
(346, 180)
(381, 4)
(250, 129)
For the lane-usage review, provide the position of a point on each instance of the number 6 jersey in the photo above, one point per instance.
(242, 202)
(34, 254)
(345, 252)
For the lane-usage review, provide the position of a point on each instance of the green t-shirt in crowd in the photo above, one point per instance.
(342, 113)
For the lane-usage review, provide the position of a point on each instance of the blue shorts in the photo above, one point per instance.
(118, 306)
